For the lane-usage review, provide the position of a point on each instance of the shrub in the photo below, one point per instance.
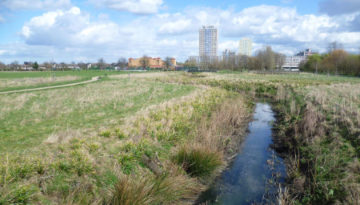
(198, 161)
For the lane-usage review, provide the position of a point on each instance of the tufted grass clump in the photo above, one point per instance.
(120, 134)
(198, 161)
(22, 194)
(105, 134)
(165, 189)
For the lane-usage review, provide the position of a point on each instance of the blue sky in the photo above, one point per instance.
(86, 30)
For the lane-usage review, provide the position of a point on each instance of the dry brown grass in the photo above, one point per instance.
(225, 129)
(142, 75)
(147, 189)
(20, 82)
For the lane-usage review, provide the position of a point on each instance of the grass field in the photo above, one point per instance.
(22, 80)
(27, 119)
(160, 138)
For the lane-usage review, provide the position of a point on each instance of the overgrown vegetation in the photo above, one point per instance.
(335, 62)
(317, 131)
(151, 151)
(129, 161)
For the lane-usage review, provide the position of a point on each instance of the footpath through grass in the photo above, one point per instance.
(25, 80)
(27, 119)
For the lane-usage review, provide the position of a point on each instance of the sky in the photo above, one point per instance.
(86, 30)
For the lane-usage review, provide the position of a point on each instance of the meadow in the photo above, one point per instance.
(161, 138)
(22, 80)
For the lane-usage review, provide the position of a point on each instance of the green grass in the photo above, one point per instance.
(198, 162)
(37, 74)
(19, 76)
(86, 144)
(88, 167)
(64, 112)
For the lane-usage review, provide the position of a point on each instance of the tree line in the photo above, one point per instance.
(99, 65)
(336, 61)
(265, 59)
(121, 64)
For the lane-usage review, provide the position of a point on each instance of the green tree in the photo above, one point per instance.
(35, 66)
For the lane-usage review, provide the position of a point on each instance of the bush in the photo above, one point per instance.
(198, 161)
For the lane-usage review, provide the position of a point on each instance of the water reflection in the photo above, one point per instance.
(249, 178)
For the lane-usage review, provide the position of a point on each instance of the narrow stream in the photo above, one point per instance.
(255, 174)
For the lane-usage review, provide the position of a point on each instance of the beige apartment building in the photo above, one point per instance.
(245, 47)
(208, 41)
(152, 62)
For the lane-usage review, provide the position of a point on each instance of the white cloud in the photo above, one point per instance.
(72, 34)
(35, 4)
(3, 52)
(133, 6)
(68, 28)
(2, 20)
(175, 27)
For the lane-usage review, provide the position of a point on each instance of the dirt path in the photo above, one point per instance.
(50, 87)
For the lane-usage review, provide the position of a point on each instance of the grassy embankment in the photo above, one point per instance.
(102, 143)
(317, 130)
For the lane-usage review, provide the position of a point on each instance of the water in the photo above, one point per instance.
(254, 175)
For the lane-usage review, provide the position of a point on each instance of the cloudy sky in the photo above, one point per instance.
(85, 30)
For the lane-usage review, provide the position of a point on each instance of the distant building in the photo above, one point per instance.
(245, 47)
(308, 52)
(227, 54)
(208, 42)
(293, 62)
(73, 67)
(152, 62)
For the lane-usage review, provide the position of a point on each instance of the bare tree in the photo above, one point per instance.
(167, 63)
(14, 65)
(63, 65)
(101, 64)
(242, 62)
(121, 63)
(279, 60)
(82, 65)
(269, 58)
(3, 66)
(190, 63)
(47, 65)
(144, 62)
(260, 60)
